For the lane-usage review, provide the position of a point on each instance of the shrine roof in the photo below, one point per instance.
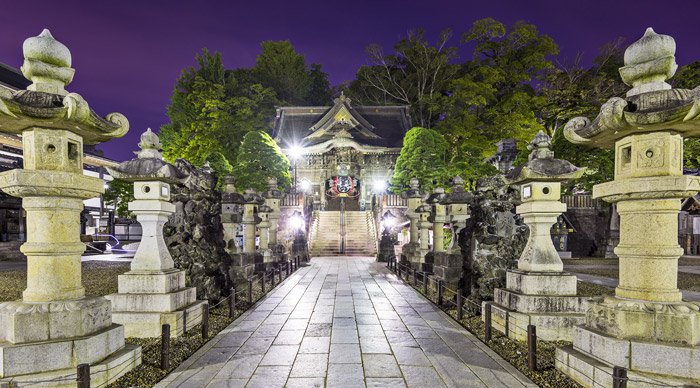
(381, 126)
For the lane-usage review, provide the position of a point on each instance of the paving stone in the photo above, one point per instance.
(315, 345)
(410, 356)
(421, 377)
(345, 354)
(374, 382)
(344, 322)
(344, 336)
(310, 365)
(380, 365)
(280, 355)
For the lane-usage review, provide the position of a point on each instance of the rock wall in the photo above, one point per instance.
(194, 233)
(493, 239)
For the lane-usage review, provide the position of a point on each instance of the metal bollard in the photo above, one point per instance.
(262, 282)
(83, 376)
(619, 377)
(531, 348)
(288, 269)
(439, 291)
(398, 271)
(487, 322)
(425, 283)
(460, 313)
(165, 348)
(205, 321)
(279, 271)
(232, 303)
(250, 291)
(273, 279)
(415, 279)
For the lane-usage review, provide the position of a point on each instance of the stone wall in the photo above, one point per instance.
(194, 234)
(493, 238)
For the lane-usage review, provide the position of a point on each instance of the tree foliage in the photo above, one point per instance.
(423, 157)
(220, 165)
(119, 194)
(416, 74)
(493, 96)
(259, 159)
(209, 112)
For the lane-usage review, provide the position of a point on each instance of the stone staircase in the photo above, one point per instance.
(325, 234)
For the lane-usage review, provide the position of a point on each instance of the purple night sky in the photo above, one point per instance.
(128, 54)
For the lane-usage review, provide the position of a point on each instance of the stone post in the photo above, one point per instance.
(250, 219)
(272, 200)
(153, 293)
(448, 265)
(231, 216)
(411, 251)
(538, 292)
(645, 327)
(55, 327)
(438, 218)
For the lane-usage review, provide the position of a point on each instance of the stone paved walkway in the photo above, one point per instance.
(345, 322)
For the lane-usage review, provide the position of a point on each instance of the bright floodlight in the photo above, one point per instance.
(305, 185)
(295, 152)
(379, 186)
(106, 186)
(390, 222)
(297, 222)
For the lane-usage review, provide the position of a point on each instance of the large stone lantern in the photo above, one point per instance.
(272, 199)
(153, 293)
(448, 265)
(231, 213)
(437, 217)
(646, 327)
(55, 326)
(244, 262)
(539, 292)
(411, 252)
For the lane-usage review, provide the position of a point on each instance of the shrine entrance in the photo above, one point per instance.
(336, 204)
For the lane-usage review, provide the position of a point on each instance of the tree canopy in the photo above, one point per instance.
(423, 157)
(119, 194)
(259, 159)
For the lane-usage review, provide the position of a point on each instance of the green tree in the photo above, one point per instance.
(281, 68)
(493, 97)
(220, 165)
(423, 157)
(416, 74)
(688, 77)
(211, 111)
(260, 158)
(469, 164)
(119, 194)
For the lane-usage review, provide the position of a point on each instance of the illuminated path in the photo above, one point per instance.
(345, 322)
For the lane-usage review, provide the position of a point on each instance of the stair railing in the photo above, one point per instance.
(342, 225)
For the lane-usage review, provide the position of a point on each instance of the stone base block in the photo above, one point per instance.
(151, 282)
(672, 323)
(550, 327)
(244, 259)
(22, 322)
(564, 254)
(37, 357)
(153, 302)
(411, 253)
(240, 274)
(149, 324)
(448, 259)
(102, 373)
(543, 304)
(652, 367)
(541, 283)
(450, 275)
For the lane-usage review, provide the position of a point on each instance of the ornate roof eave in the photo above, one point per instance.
(328, 145)
(329, 120)
(24, 109)
(525, 174)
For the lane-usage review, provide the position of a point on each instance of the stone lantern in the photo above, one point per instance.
(411, 251)
(539, 292)
(449, 265)
(153, 293)
(437, 218)
(272, 199)
(646, 327)
(266, 263)
(231, 213)
(244, 262)
(55, 326)
(424, 225)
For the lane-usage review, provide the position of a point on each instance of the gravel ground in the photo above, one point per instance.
(686, 281)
